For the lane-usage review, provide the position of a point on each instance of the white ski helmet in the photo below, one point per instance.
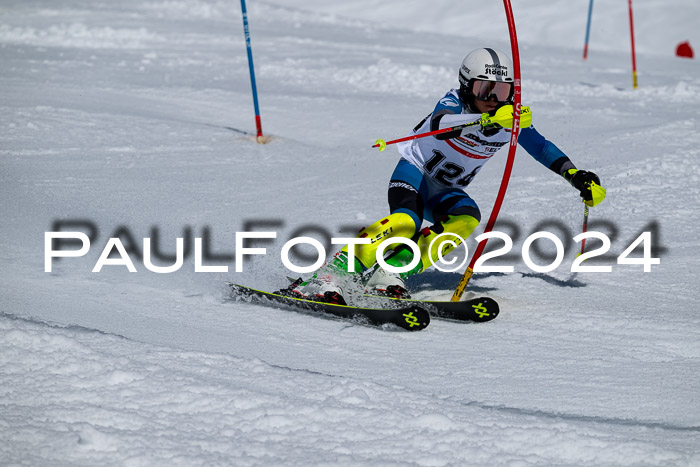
(486, 65)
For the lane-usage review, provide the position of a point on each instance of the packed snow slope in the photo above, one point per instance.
(134, 119)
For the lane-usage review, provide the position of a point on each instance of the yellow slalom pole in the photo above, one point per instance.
(463, 282)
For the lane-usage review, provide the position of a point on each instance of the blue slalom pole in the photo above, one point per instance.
(588, 30)
(246, 30)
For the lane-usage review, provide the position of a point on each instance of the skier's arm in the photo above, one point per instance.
(446, 120)
(544, 151)
(447, 114)
(549, 155)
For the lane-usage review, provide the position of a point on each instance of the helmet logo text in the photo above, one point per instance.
(497, 70)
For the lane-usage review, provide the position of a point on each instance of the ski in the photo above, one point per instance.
(409, 316)
(479, 309)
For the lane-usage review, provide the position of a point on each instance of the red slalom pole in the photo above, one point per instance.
(459, 291)
(634, 55)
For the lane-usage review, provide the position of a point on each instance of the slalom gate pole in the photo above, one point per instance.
(246, 31)
(459, 291)
(634, 55)
(585, 227)
(588, 30)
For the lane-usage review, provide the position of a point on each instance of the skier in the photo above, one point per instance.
(429, 180)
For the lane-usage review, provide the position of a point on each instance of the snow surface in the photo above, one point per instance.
(137, 115)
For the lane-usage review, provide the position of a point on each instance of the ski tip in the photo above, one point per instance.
(484, 309)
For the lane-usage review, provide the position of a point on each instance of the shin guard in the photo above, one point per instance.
(462, 225)
(394, 225)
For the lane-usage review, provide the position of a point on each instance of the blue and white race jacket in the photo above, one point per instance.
(454, 158)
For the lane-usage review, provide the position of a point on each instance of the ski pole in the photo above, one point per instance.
(381, 144)
(504, 119)
(585, 228)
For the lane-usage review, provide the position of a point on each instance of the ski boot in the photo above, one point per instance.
(317, 288)
(387, 284)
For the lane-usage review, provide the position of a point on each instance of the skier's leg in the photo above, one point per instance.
(407, 190)
(327, 282)
(398, 224)
(456, 229)
(406, 206)
(458, 214)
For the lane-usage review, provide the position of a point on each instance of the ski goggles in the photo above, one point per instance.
(485, 90)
